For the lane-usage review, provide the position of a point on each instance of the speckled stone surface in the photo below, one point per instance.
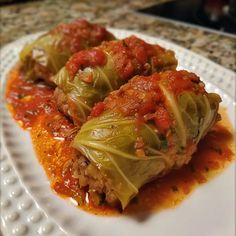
(18, 20)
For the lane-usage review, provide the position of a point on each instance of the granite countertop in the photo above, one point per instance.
(21, 19)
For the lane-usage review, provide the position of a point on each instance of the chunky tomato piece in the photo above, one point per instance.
(162, 119)
(85, 58)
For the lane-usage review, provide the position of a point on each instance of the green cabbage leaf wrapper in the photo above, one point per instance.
(85, 95)
(108, 141)
(46, 55)
(43, 56)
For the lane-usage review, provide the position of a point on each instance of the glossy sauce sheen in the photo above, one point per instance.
(33, 108)
(85, 58)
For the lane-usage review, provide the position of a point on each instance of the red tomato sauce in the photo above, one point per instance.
(143, 98)
(52, 133)
(132, 56)
(80, 34)
(28, 100)
(85, 58)
(97, 109)
(176, 81)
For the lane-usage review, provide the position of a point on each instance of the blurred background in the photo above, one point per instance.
(214, 14)
(207, 27)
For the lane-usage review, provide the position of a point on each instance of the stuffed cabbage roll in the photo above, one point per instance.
(46, 55)
(143, 130)
(91, 74)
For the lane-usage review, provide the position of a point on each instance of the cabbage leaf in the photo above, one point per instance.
(44, 52)
(83, 94)
(108, 142)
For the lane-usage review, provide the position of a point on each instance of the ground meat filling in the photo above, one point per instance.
(61, 101)
(90, 177)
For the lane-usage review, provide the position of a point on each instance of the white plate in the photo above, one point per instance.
(28, 205)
